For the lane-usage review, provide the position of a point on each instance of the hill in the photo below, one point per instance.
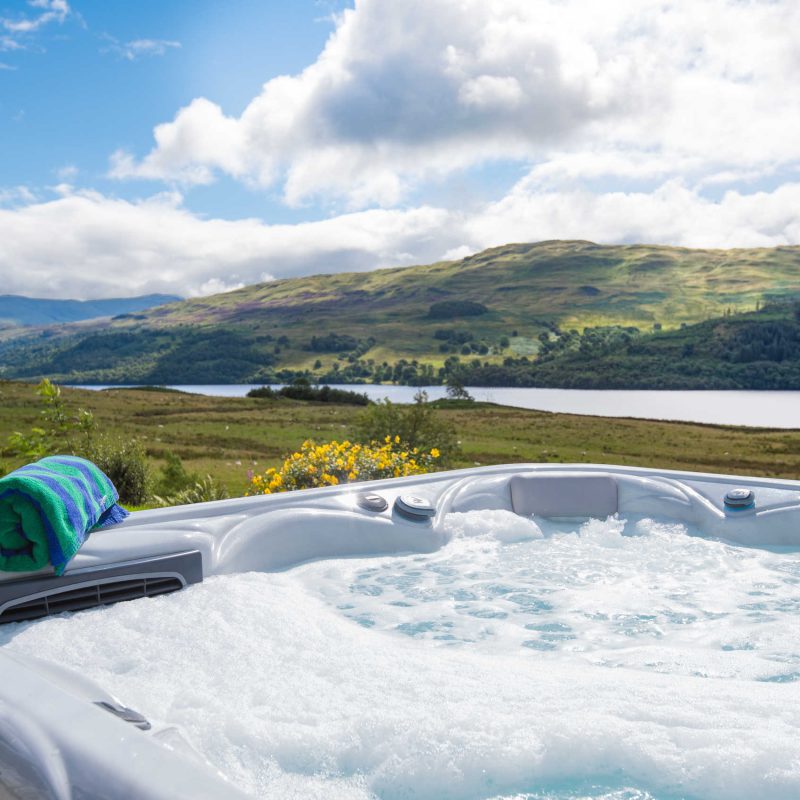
(410, 324)
(18, 310)
(756, 350)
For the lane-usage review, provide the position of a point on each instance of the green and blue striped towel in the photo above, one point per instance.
(47, 509)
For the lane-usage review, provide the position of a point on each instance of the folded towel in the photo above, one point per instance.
(48, 508)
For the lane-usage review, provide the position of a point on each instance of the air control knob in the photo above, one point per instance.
(372, 502)
(415, 506)
(740, 498)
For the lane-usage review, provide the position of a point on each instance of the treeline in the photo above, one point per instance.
(301, 389)
(771, 341)
(454, 340)
(757, 350)
(339, 343)
(591, 342)
(760, 350)
(152, 356)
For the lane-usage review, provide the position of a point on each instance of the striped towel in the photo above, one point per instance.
(48, 508)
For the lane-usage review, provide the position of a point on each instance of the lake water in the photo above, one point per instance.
(760, 409)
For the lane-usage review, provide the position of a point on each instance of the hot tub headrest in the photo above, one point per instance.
(576, 495)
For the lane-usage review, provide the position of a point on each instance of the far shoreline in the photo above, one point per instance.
(778, 409)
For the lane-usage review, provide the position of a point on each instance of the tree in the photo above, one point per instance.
(456, 390)
(417, 426)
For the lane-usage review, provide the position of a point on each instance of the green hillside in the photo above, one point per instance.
(756, 350)
(408, 323)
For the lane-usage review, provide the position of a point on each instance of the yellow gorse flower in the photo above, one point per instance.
(342, 462)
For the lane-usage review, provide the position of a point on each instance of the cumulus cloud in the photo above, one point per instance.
(98, 246)
(671, 214)
(13, 195)
(452, 82)
(406, 92)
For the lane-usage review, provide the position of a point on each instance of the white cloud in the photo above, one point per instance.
(201, 139)
(98, 246)
(18, 32)
(217, 286)
(407, 92)
(451, 83)
(8, 43)
(491, 92)
(68, 172)
(102, 247)
(51, 11)
(457, 253)
(135, 49)
(14, 195)
(671, 214)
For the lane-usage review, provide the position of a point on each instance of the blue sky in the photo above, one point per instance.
(77, 92)
(194, 146)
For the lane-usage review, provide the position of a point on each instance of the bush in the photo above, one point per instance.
(300, 390)
(417, 426)
(264, 392)
(174, 477)
(324, 394)
(453, 335)
(73, 433)
(332, 343)
(126, 466)
(60, 430)
(343, 462)
(202, 491)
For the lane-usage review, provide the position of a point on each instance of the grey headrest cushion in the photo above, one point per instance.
(575, 495)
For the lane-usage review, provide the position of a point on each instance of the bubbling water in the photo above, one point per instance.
(616, 660)
(636, 593)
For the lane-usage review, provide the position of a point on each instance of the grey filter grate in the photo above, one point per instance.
(40, 597)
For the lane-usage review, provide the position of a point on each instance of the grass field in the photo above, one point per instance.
(225, 437)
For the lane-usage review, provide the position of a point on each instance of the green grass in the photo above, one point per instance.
(224, 437)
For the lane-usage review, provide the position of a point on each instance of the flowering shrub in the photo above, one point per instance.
(343, 462)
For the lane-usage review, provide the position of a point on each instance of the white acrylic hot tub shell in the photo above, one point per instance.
(56, 743)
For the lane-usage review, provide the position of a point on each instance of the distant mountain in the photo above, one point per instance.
(413, 324)
(18, 310)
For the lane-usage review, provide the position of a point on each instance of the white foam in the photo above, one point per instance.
(639, 594)
(291, 697)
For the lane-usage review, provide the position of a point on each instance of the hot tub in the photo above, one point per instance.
(533, 631)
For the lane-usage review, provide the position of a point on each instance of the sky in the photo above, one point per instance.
(194, 146)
